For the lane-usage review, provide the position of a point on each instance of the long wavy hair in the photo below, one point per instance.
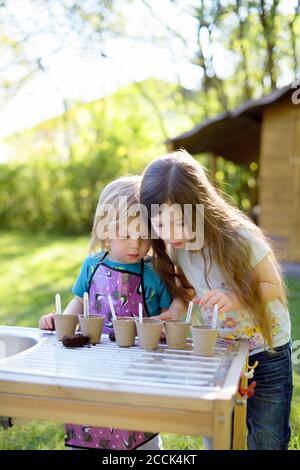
(177, 178)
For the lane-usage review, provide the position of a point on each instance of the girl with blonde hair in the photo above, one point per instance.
(117, 265)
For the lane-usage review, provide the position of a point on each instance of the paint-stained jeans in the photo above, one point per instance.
(268, 412)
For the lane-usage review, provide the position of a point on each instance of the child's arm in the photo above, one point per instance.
(270, 281)
(176, 310)
(74, 307)
(270, 285)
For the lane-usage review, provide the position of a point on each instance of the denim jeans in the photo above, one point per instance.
(268, 411)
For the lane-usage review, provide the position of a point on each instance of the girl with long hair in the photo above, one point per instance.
(234, 267)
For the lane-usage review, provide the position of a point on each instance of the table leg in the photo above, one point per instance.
(222, 425)
(240, 419)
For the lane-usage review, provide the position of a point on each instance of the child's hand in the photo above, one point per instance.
(170, 315)
(225, 301)
(47, 322)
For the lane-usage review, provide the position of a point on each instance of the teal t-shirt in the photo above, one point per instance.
(157, 295)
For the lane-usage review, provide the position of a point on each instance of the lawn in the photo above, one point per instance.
(36, 266)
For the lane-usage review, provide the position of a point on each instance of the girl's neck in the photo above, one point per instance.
(115, 260)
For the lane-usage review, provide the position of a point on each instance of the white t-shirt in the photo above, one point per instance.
(236, 324)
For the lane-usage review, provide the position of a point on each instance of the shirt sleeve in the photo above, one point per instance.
(259, 248)
(82, 281)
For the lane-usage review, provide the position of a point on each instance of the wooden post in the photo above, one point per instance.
(295, 164)
(240, 418)
(279, 177)
(222, 425)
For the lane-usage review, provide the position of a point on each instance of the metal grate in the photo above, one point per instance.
(164, 367)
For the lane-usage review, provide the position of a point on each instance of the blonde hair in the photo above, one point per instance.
(177, 178)
(125, 186)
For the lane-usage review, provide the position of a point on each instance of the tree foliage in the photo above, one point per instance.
(240, 49)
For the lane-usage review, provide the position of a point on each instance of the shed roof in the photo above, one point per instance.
(235, 135)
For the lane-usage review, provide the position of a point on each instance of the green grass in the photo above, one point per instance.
(294, 305)
(36, 266)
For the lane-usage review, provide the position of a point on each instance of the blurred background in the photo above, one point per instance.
(91, 89)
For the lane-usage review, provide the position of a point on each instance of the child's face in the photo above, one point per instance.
(170, 227)
(129, 249)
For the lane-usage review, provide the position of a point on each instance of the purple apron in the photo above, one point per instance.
(127, 291)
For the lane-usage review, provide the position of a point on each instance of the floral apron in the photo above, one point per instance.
(127, 291)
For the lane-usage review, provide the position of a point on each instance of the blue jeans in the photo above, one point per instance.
(268, 411)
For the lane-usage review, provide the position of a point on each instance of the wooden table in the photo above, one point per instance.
(157, 391)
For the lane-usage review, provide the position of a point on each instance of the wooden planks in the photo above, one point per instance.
(295, 163)
(151, 419)
(163, 390)
(280, 175)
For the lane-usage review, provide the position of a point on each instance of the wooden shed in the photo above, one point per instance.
(266, 131)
